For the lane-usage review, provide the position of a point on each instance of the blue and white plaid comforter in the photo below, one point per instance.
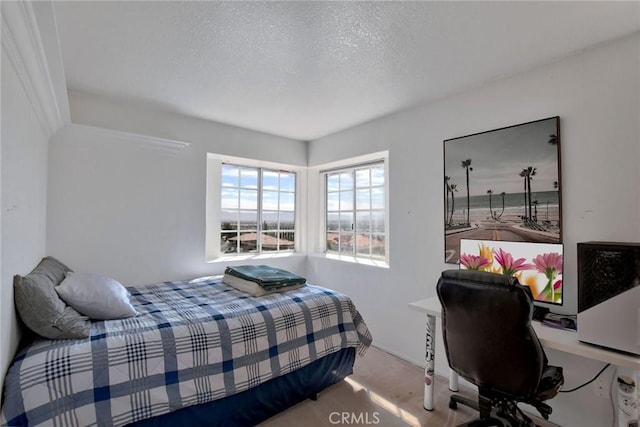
(193, 342)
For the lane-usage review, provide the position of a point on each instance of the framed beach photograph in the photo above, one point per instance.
(503, 185)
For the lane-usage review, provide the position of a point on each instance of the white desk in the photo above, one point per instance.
(558, 339)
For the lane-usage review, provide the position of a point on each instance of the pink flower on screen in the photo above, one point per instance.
(473, 262)
(508, 264)
(549, 264)
(557, 285)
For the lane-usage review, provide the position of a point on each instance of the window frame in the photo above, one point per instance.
(213, 209)
(318, 180)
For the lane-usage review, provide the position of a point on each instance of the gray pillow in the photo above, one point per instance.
(40, 307)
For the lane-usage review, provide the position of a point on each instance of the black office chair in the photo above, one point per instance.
(489, 341)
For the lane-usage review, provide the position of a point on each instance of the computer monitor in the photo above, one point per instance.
(536, 265)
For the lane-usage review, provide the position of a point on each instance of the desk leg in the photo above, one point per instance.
(429, 367)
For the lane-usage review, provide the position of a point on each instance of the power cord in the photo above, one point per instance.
(588, 382)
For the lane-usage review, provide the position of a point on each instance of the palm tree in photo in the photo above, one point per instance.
(454, 189)
(490, 192)
(523, 174)
(531, 172)
(553, 139)
(502, 211)
(466, 164)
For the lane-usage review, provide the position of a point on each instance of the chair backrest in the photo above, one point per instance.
(488, 337)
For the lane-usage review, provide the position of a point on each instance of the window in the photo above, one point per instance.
(356, 211)
(257, 209)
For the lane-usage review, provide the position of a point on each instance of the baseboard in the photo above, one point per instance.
(418, 364)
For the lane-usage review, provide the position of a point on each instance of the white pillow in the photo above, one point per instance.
(96, 296)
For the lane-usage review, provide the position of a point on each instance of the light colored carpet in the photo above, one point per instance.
(383, 390)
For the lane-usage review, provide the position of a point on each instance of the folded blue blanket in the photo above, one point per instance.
(267, 277)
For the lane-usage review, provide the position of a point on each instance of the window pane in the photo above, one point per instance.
(363, 221)
(333, 241)
(346, 180)
(377, 175)
(270, 200)
(346, 243)
(377, 245)
(269, 242)
(229, 199)
(362, 199)
(228, 242)
(333, 201)
(269, 180)
(346, 200)
(333, 222)
(377, 198)
(248, 220)
(287, 220)
(363, 242)
(248, 178)
(287, 181)
(248, 199)
(270, 220)
(229, 220)
(230, 176)
(287, 202)
(377, 221)
(287, 240)
(333, 182)
(248, 242)
(346, 221)
(362, 178)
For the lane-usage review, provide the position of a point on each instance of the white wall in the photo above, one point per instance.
(596, 95)
(24, 199)
(135, 213)
(33, 108)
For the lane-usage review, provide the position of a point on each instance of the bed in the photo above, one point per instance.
(199, 352)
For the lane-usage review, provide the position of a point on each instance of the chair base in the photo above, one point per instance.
(496, 412)
(492, 422)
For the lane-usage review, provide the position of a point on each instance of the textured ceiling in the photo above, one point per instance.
(307, 69)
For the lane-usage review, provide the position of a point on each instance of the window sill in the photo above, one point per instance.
(351, 259)
(335, 257)
(248, 257)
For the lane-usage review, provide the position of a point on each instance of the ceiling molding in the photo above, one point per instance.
(22, 43)
(152, 142)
